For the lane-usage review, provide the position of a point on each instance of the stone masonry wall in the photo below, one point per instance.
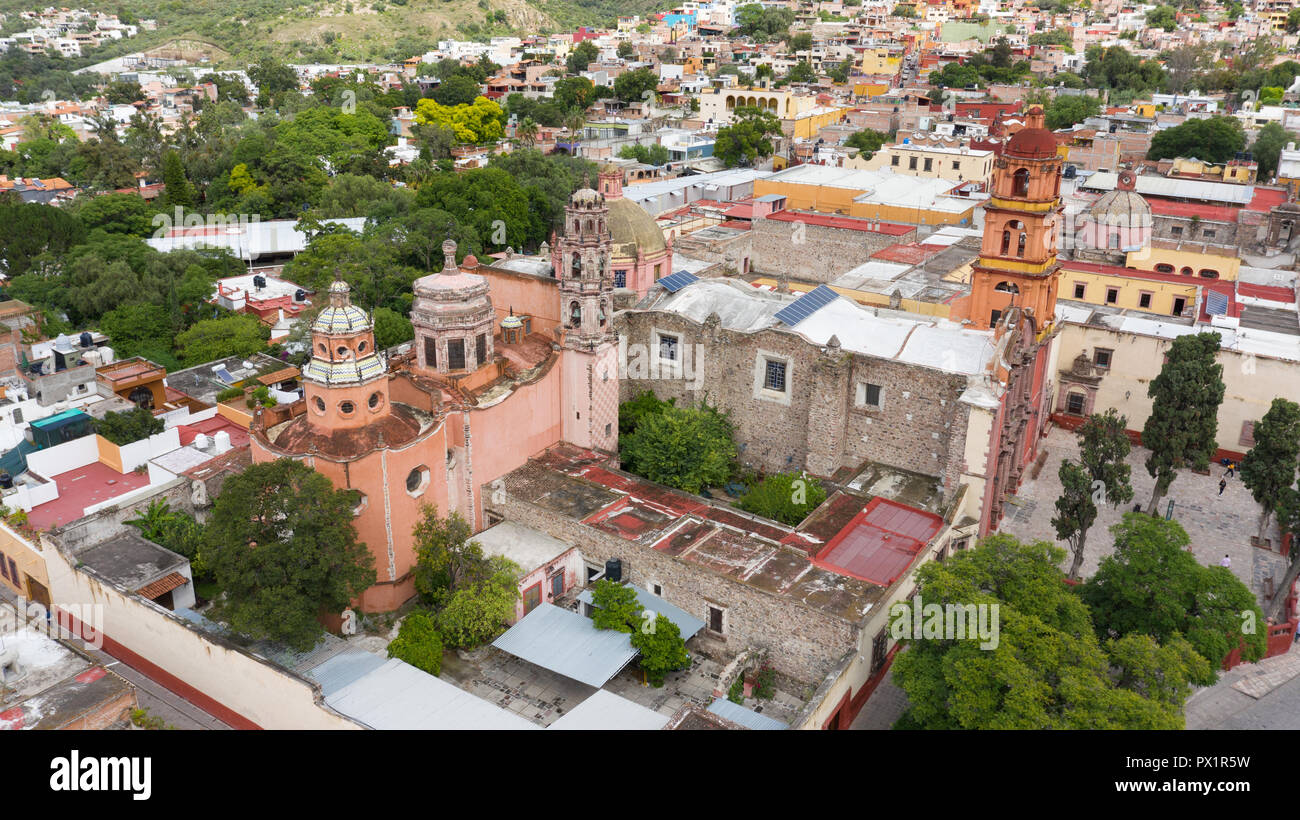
(821, 253)
(920, 426)
(803, 643)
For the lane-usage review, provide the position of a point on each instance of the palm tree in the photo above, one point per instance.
(526, 133)
(574, 122)
(154, 520)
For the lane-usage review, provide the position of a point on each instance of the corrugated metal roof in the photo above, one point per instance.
(688, 624)
(1148, 185)
(567, 643)
(343, 669)
(745, 717)
(399, 696)
(606, 710)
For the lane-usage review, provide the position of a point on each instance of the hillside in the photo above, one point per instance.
(344, 30)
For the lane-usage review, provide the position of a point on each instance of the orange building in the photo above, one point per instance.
(477, 395)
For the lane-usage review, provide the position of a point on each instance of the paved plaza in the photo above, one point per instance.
(1217, 524)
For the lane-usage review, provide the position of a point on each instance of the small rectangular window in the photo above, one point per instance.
(929, 163)
(774, 377)
(1144, 299)
(532, 597)
(3, 571)
(956, 165)
(895, 159)
(455, 354)
(1176, 230)
(868, 395)
(911, 163)
(430, 352)
(667, 347)
(1079, 290)
(620, 278)
(480, 349)
(715, 619)
(1074, 404)
(1207, 233)
(879, 650)
(1101, 357)
(1112, 295)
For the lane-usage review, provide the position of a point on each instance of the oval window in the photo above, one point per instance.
(361, 346)
(347, 408)
(320, 404)
(417, 480)
(376, 399)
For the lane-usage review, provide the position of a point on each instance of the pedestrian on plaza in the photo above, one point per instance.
(1232, 465)
(1226, 562)
(1223, 484)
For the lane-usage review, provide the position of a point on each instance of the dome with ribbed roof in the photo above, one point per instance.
(631, 227)
(340, 315)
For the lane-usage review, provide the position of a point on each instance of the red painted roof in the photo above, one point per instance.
(850, 223)
(1266, 199)
(210, 427)
(79, 489)
(881, 542)
(1277, 293)
(1169, 207)
(910, 253)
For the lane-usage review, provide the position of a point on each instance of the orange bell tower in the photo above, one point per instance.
(1017, 264)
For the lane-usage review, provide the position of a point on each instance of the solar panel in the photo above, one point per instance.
(224, 375)
(806, 305)
(674, 282)
(1216, 304)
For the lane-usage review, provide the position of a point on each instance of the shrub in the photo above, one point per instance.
(230, 393)
(689, 448)
(418, 643)
(662, 649)
(128, 426)
(784, 497)
(477, 613)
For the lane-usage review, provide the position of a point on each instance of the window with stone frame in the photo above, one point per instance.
(1079, 290)
(1112, 295)
(430, 351)
(620, 278)
(668, 347)
(480, 349)
(895, 159)
(455, 354)
(774, 375)
(1101, 357)
(1075, 403)
(929, 163)
(1144, 299)
(879, 650)
(717, 620)
(870, 395)
(911, 163)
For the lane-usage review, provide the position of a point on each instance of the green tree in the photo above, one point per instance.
(1216, 139)
(1076, 511)
(1269, 469)
(785, 497)
(177, 191)
(748, 138)
(625, 50)
(632, 411)
(212, 339)
(867, 141)
(446, 558)
(116, 213)
(582, 55)
(649, 154)
(802, 41)
(631, 86)
(392, 328)
(1180, 430)
(574, 93)
(1047, 670)
(136, 328)
(685, 447)
(127, 426)
(1165, 17)
(1292, 21)
(281, 544)
(418, 643)
(480, 611)
(802, 72)
(662, 649)
(1268, 145)
(1064, 111)
(1104, 447)
(152, 522)
(615, 606)
(457, 90)
(764, 23)
(1152, 585)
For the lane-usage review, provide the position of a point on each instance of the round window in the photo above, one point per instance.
(361, 346)
(324, 351)
(376, 399)
(320, 404)
(347, 408)
(342, 351)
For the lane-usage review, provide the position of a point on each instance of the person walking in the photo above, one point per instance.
(1232, 465)
(1223, 485)
(1226, 562)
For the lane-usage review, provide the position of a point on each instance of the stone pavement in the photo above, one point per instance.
(886, 705)
(1217, 524)
(1264, 695)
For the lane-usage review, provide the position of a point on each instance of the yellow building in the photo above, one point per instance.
(955, 164)
(1238, 172)
(23, 565)
(809, 123)
(878, 194)
(1097, 284)
(1184, 263)
(880, 60)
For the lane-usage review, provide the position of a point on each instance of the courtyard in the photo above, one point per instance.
(1217, 524)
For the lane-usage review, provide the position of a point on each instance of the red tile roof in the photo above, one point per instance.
(163, 585)
(850, 223)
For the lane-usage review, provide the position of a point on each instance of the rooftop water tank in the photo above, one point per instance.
(201, 441)
(222, 441)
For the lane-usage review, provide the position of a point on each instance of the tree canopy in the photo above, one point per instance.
(1216, 139)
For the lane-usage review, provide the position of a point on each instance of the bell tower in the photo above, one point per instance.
(581, 260)
(345, 382)
(1017, 264)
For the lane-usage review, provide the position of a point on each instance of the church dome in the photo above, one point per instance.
(1121, 207)
(340, 315)
(630, 228)
(451, 284)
